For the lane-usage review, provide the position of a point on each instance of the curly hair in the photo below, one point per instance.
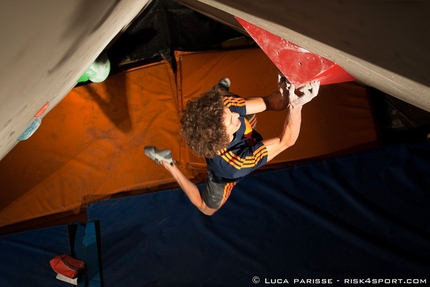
(203, 124)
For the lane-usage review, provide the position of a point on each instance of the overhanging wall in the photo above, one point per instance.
(46, 46)
(379, 43)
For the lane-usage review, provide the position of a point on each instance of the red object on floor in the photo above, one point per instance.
(299, 65)
(67, 266)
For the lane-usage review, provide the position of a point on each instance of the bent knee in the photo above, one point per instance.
(208, 211)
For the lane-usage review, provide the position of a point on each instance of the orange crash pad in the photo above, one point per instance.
(91, 145)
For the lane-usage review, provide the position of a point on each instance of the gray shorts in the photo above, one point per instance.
(216, 194)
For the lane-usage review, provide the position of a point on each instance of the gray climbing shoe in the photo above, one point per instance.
(159, 155)
(224, 82)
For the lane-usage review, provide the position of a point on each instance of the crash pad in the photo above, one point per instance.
(91, 145)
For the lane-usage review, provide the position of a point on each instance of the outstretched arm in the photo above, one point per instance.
(289, 134)
(292, 123)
